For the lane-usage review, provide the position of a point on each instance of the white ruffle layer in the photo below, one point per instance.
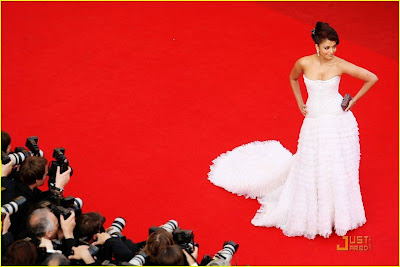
(305, 194)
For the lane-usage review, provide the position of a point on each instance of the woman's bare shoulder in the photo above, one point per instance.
(306, 60)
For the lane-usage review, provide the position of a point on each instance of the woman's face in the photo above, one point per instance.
(327, 49)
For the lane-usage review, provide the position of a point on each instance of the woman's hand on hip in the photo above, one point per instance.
(351, 104)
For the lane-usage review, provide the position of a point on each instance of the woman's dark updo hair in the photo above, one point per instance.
(323, 31)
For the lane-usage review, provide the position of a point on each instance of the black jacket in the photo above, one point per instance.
(19, 220)
(7, 190)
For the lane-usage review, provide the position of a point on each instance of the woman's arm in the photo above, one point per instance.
(294, 83)
(359, 73)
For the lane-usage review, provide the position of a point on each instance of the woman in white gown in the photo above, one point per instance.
(316, 189)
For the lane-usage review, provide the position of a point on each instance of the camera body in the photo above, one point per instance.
(184, 239)
(60, 160)
(20, 153)
(32, 145)
(64, 206)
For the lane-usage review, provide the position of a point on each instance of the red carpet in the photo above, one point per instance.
(144, 96)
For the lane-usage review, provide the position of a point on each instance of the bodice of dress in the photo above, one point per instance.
(323, 97)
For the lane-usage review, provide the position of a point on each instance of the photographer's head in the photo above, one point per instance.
(5, 142)
(157, 241)
(43, 223)
(89, 224)
(171, 256)
(21, 252)
(56, 259)
(33, 171)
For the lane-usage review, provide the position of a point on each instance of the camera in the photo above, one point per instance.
(69, 205)
(93, 250)
(183, 238)
(60, 200)
(117, 226)
(64, 207)
(13, 206)
(138, 260)
(60, 160)
(20, 153)
(169, 226)
(222, 257)
(32, 145)
(17, 157)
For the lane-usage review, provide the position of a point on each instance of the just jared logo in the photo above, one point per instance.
(355, 243)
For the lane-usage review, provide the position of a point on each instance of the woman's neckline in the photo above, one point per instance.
(321, 80)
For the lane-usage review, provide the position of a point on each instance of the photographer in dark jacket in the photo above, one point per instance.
(7, 183)
(7, 180)
(44, 228)
(5, 142)
(33, 174)
(90, 230)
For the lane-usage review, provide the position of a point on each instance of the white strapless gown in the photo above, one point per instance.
(313, 191)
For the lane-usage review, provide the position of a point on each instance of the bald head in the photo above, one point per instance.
(43, 223)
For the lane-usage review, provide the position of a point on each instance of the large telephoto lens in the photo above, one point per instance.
(170, 226)
(227, 252)
(78, 203)
(13, 206)
(117, 226)
(17, 158)
(139, 259)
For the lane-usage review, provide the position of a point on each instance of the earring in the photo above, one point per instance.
(318, 52)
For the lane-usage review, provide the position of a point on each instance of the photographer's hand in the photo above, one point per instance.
(195, 252)
(62, 179)
(101, 238)
(82, 253)
(68, 225)
(190, 258)
(6, 169)
(6, 224)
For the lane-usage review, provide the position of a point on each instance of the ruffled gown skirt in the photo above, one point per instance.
(315, 191)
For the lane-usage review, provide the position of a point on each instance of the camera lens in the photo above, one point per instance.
(170, 226)
(78, 203)
(117, 226)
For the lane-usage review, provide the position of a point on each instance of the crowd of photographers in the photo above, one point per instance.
(46, 228)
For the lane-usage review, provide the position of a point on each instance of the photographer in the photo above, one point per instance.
(33, 174)
(171, 256)
(56, 259)
(155, 243)
(90, 230)
(5, 142)
(7, 181)
(21, 252)
(44, 227)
